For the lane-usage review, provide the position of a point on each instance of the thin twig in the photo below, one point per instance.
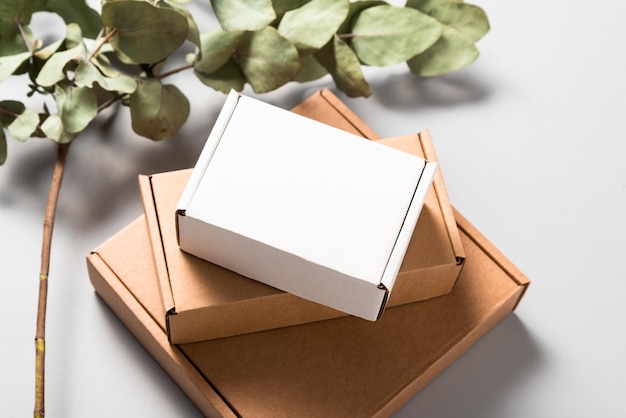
(101, 43)
(175, 70)
(24, 37)
(48, 225)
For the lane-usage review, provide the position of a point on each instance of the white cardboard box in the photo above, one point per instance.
(302, 206)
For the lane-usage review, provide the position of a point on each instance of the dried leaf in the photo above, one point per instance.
(24, 125)
(426, 5)
(229, 77)
(87, 73)
(314, 24)
(243, 14)
(345, 68)
(53, 70)
(217, 48)
(80, 107)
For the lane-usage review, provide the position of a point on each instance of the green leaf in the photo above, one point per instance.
(11, 42)
(385, 35)
(451, 52)
(3, 146)
(11, 63)
(356, 8)
(158, 111)
(45, 53)
(267, 59)
(312, 25)
(193, 35)
(74, 36)
(243, 14)
(53, 70)
(144, 33)
(469, 21)
(87, 73)
(283, 6)
(9, 110)
(217, 48)
(21, 10)
(311, 70)
(464, 25)
(24, 125)
(345, 68)
(78, 12)
(229, 77)
(52, 127)
(426, 5)
(80, 107)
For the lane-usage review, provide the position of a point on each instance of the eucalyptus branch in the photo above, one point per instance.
(48, 226)
(18, 22)
(175, 71)
(101, 41)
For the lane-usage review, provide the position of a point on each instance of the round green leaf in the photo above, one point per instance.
(144, 33)
(345, 68)
(11, 42)
(229, 77)
(157, 111)
(426, 5)
(469, 21)
(87, 73)
(52, 127)
(24, 125)
(79, 108)
(385, 35)
(451, 52)
(10, 64)
(78, 12)
(243, 14)
(267, 59)
(312, 25)
(193, 35)
(216, 49)
(9, 110)
(311, 70)
(3, 146)
(357, 7)
(283, 6)
(53, 70)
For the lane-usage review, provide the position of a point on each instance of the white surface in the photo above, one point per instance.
(512, 131)
(304, 207)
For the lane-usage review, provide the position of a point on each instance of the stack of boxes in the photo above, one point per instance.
(336, 340)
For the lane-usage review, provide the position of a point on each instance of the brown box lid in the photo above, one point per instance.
(198, 295)
(340, 367)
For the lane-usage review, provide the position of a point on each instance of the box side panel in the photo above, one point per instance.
(151, 336)
(281, 270)
(423, 284)
(154, 234)
(439, 186)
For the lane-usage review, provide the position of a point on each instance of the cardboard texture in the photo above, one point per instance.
(198, 295)
(302, 206)
(340, 367)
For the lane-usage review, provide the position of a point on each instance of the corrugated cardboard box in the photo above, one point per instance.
(302, 206)
(198, 295)
(335, 368)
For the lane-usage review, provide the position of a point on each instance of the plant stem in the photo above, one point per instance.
(101, 43)
(48, 225)
(175, 70)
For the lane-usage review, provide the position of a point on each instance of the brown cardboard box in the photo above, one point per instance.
(340, 367)
(198, 295)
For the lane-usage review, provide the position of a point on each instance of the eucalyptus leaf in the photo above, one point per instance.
(73, 36)
(53, 128)
(3, 146)
(267, 59)
(80, 107)
(314, 24)
(228, 77)
(11, 41)
(46, 52)
(144, 33)
(10, 64)
(311, 70)
(426, 5)
(357, 7)
(451, 52)
(217, 48)
(345, 68)
(53, 70)
(243, 14)
(283, 6)
(86, 74)
(78, 12)
(386, 35)
(158, 111)
(21, 10)
(24, 125)
(193, 35)
(469, 21)
(9, 110)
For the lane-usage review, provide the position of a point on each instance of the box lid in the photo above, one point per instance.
(303, 206)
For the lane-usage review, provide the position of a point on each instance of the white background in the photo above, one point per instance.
(532, 146)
